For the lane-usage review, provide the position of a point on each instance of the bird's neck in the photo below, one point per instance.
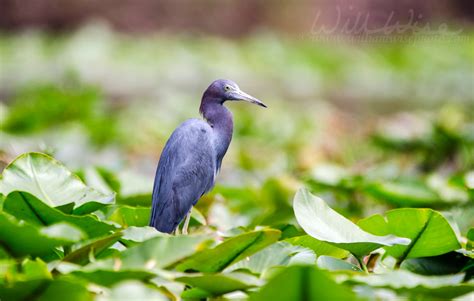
(220, 119)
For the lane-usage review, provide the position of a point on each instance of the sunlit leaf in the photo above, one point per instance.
(49, 181)
(429, 231)
(230, 251)
(157, 252)
(139, 234)
(335, 264)
(197, 216)
(277, 254)
(131, 216)
(325, 224)
(319, 247)
(132, 290)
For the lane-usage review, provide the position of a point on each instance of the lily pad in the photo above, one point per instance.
(470, 240)
(449, 263)
(110, 277)
(319, 247)
(303, 283)
(157, 252)
(413, 193)
(51, 182)
(27, 207)
(131, 216)
(230, 251)
(335, 264)
(220, 283)
(429, 231)
(74, 288)
(277, 254)
(325, 224)
(132, 290)
(406, 283)
(21, 239)
(139, 234)
(83, 253)
(19, 281)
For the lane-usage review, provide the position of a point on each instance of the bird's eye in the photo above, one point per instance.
(227, 88)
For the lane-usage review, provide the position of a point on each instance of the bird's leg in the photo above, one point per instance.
(186, 222)
(176, 231)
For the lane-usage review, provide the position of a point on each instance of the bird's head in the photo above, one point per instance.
(223, 90)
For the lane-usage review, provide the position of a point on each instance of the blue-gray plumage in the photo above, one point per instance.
(192, 157)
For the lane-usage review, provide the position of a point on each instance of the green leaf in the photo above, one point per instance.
(110, 277)
(18, 281)
(143, 200)
(50, 181)
(413, 193)
(447, 191)
(135, 189)
(449, 263)
(330, 175)
(36, 107)
(73, 288)
(470, 240)
(221, 283)
(319, 247)
(132, 290)
(100, 179)
(406, 283)
(197, 216)
(288, 230)
(230, 251)
(334, 264)
(302, 283)
(157, 252)
(131, 216)
(429, 231)
(21, 239)
(3, 253)
(63, 230)
(195, 293)
(27, 207)
(277, 254)
(2, 199)
(139, 234)
(81, 254)
(325, 224)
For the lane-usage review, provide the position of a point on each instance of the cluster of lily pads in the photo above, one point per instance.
(64, 240)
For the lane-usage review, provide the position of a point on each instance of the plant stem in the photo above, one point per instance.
(362, 264)
(398, 264)
(67, 250)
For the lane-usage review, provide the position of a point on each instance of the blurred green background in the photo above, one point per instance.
(102, 85)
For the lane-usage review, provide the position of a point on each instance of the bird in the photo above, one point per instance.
(192, 157)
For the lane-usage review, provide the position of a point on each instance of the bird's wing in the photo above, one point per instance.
(185, 172)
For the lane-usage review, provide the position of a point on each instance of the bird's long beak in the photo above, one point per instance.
(240, 95)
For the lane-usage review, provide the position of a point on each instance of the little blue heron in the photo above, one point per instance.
(192, 157)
